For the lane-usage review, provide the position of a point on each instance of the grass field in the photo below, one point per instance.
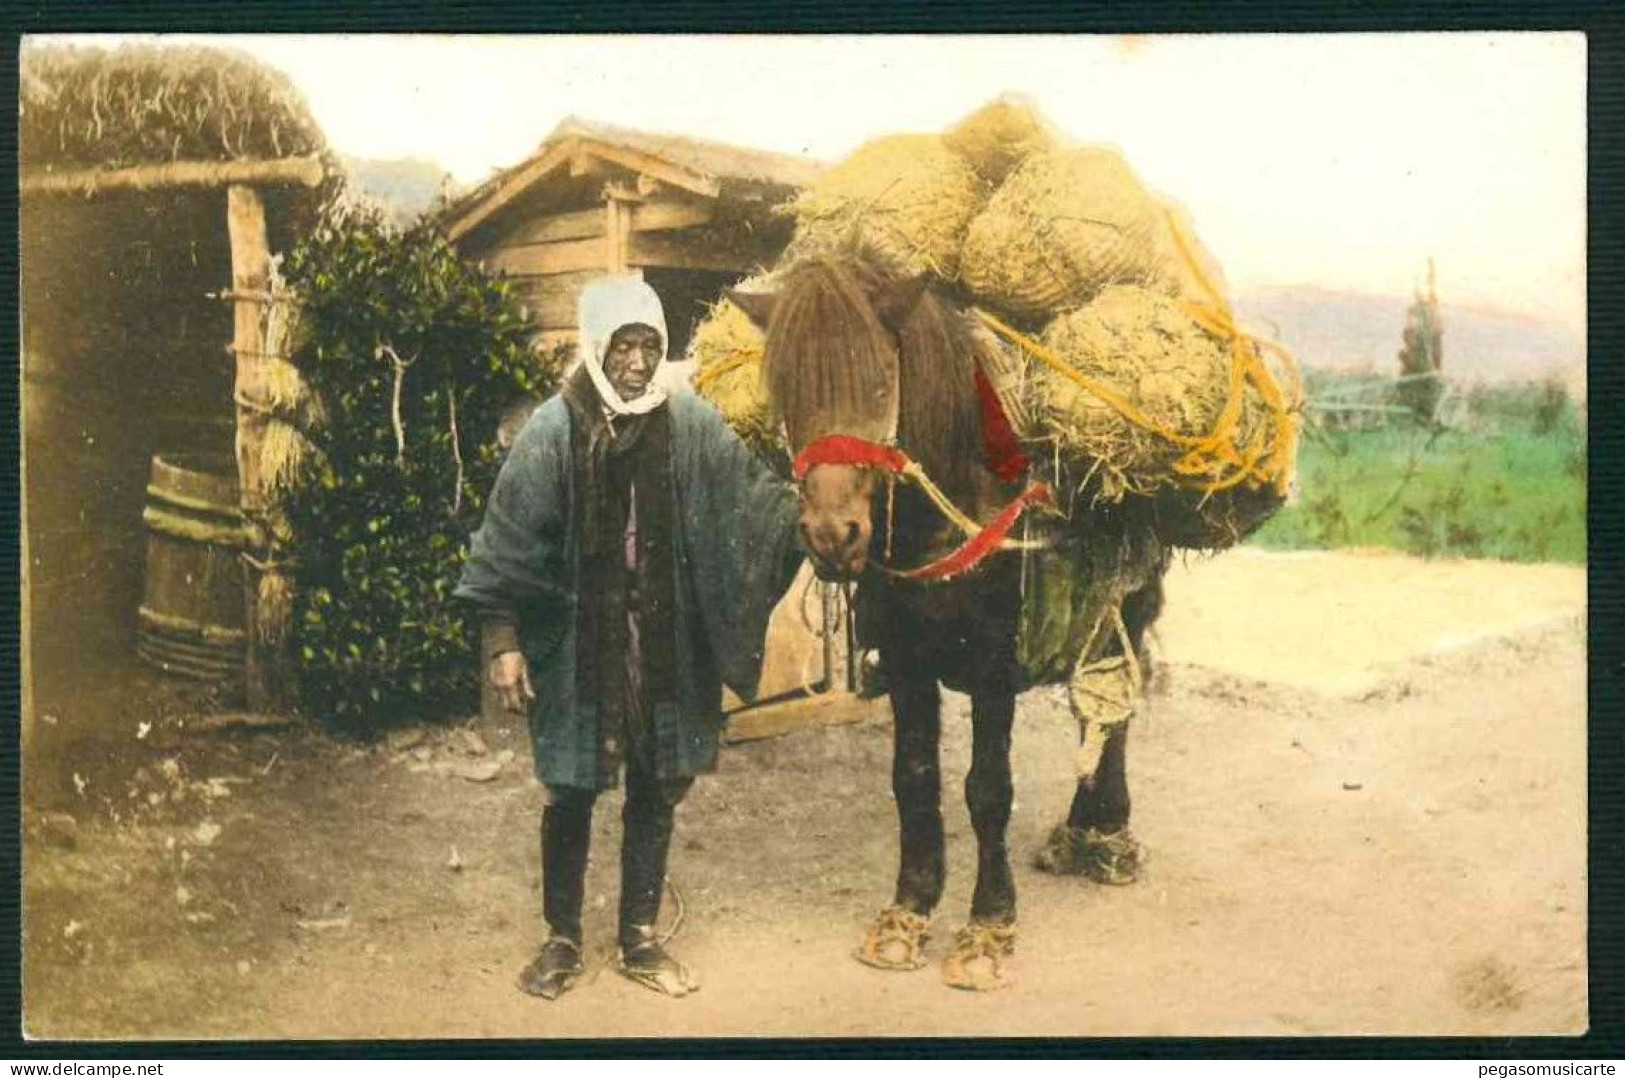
(1507, 481)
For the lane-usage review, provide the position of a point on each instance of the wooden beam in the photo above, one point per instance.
(586, 224)
(305, 171)
(539, 259)
(575, 225)
(802, 713)
(617, 234)
(690, 252)
(511, 188)
(656, 168)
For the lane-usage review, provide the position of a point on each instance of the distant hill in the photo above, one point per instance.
(404, 187)
(1349, 330)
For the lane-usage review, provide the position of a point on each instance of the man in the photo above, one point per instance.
(630, 555)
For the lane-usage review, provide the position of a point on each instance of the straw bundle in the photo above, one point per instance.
(727, 348)
(283, 455)
(275, 604)
(1066, 224)
(907, 196)
(1142, 347)
(999, 136)
(1175, 274)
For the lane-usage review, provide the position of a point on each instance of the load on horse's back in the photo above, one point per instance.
(1011, 385)
(876, 376)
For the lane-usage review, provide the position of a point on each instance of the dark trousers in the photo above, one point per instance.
(646, 823)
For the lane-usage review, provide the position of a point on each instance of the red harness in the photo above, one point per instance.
(844, 449)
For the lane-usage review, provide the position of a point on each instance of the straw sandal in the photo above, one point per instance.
(895, 941)
(977, 961)
(555, 969)
(1113, 858)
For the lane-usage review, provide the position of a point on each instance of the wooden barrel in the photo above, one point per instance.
(192, 617)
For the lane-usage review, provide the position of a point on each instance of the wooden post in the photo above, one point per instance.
(616, 231)
(250, 284)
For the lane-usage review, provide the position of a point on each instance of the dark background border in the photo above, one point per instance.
(1604, 24)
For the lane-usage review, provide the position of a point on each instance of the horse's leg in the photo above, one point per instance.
(989, 792)
(977, 958)
(1095, 840)
(917, 787)
(897, 937)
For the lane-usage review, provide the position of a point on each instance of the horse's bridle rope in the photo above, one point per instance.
(982, 540)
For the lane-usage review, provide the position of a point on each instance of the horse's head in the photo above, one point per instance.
(831, 367)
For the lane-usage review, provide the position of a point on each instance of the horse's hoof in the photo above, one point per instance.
(896, 940)
(977, 961)
(1112, 858)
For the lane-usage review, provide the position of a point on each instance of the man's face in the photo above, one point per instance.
(630, 361)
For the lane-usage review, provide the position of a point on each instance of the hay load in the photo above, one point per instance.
(1134, 346)
(908, 197)
(999, 136)
(727, 348)
(1063, 226)
(1102, 322)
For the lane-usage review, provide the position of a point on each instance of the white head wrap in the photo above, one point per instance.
(607, 305)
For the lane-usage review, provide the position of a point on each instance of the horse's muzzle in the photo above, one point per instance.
(839, 550)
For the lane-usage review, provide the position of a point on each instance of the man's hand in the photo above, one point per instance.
(510, 676)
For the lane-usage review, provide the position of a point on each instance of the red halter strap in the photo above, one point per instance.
(845, 449)
(976, 549)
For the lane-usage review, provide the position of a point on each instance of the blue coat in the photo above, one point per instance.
(735, 555)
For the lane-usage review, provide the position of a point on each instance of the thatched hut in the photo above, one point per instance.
(155, 184)
(691, 216)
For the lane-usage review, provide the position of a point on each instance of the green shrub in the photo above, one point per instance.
(415, 355)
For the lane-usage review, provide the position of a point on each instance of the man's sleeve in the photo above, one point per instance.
(516, 564)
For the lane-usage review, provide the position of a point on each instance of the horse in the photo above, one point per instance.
(874, 372)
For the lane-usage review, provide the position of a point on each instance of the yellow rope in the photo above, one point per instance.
(915, 474)
(1212, 462)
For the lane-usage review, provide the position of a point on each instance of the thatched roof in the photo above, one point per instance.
(141, 105)
(717, 160)
(701, 167)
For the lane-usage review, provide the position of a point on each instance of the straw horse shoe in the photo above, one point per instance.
(876, 377)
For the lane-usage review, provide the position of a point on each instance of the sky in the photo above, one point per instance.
(1342, 161)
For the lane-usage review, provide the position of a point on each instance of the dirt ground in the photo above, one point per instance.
(1399, 852)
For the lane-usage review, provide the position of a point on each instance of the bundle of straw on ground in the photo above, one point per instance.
(1063, 226)
(907, 196)
(727, 348)
(1143, 348)
(999, 136)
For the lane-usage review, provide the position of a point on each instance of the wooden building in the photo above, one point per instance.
(692, 217)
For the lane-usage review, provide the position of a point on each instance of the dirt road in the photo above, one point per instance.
(1401, 854)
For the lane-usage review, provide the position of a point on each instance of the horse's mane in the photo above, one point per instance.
(830, 365)
(940, 423)
(829, 361)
